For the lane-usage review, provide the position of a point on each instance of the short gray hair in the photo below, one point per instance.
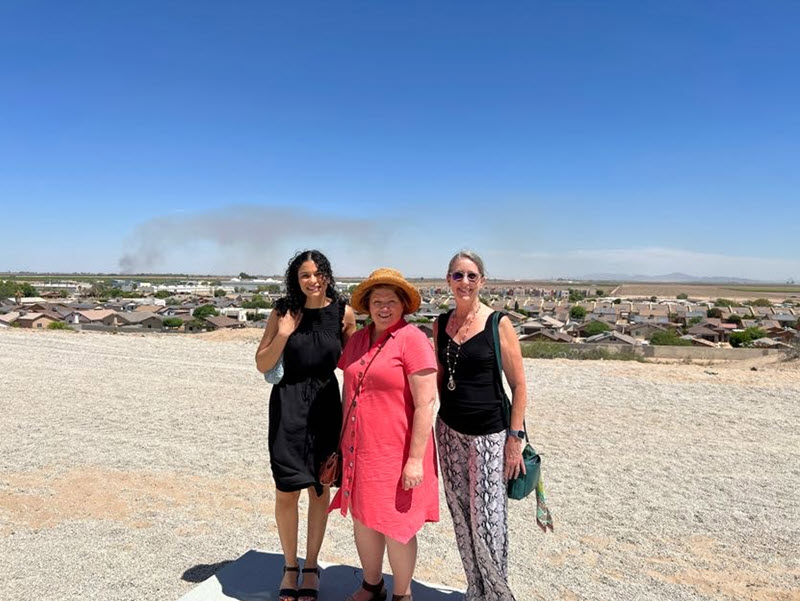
(467, 254)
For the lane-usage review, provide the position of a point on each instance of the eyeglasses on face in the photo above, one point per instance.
(470, 275)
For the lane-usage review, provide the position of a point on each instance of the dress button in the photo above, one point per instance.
(362, 362)
(351, 450)
(354, 403)
(347, 493)
(352, 419)
(351, 464)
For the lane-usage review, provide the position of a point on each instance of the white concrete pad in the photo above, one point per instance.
(256, 575)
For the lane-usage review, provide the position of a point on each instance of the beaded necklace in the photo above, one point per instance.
(452, 362)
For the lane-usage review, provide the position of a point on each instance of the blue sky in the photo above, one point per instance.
(555, 138)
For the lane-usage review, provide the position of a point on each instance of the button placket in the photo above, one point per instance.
(349, 463)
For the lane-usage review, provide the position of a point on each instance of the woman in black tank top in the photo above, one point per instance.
(478, 450)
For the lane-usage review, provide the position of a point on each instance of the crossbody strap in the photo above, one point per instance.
(351, 404)
(498, 355)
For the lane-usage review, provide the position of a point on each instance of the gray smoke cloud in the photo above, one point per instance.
(243, 230)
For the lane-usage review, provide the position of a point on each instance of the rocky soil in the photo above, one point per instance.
(131, 466)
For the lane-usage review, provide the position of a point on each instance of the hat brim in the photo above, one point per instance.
(357, 299)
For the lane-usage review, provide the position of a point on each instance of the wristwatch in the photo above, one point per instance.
(516, 434)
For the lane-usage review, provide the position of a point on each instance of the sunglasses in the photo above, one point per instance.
(457, 276)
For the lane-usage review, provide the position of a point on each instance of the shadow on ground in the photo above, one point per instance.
(256, 575)
(203, 571)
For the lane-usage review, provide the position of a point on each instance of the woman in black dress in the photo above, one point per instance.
(306, 330)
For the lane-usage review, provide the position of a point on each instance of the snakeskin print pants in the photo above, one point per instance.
(475, 488)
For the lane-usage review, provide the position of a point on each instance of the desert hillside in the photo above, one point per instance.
(128, 460)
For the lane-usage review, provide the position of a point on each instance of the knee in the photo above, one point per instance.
(323, 499)
(286, 499)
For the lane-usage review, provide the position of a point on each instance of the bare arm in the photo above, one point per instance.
(277, 332)
(439, 368)
(423, 391)
(514, 370)
(348, 323)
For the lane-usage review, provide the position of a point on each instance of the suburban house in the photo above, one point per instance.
(546, 335)
(8, 318)
(153, 322)
(35, 320)
(134, 318)
(612, 337)
(104, 316)
(643, 331)
(220, 321)
(705, 332)
(699, 341)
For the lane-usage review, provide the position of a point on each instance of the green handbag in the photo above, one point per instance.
(524, 484)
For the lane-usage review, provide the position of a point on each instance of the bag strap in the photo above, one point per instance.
(358, 387)
(342, 308)
(498, 355)
(442, 320)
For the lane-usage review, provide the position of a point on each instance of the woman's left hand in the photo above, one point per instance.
(412, 473)
(515, 465)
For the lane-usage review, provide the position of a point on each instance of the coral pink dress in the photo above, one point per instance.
(377, 434)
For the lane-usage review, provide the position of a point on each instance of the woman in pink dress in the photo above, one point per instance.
(390, 482)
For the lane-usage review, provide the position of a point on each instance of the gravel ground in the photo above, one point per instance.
(131, 466)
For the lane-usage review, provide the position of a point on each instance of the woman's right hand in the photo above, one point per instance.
(288, 323)
(412, 473)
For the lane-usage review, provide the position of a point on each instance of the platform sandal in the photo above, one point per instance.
(309, 593)
(289, 594)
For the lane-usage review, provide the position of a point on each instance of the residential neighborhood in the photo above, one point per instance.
(559, 316)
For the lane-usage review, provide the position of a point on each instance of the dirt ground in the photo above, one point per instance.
(131, 466)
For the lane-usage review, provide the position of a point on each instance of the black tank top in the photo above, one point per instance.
(475, 407)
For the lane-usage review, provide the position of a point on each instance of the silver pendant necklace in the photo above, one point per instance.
(452, 364)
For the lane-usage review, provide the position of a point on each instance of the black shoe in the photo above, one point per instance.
(310, 593)
(378, 591)
(289, 594)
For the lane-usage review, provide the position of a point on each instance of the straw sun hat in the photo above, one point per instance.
(385, 276)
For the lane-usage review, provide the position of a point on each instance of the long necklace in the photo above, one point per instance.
(452, 362)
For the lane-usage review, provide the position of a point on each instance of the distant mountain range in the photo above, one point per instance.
(669, 277)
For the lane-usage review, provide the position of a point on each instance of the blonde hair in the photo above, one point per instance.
(467, 254)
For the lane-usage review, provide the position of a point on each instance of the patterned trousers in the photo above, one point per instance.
(475, 488)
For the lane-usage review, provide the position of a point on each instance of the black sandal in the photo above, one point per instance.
(402, 598)
(311, 593)
(289, 593)
(378, 591)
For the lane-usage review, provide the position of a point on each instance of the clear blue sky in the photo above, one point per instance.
(555, 138)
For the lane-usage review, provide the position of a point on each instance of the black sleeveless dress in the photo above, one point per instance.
(305, 409)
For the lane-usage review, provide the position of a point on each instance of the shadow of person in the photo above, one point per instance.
(256, 576)
(203, 571)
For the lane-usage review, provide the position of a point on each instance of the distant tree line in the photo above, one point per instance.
(10, 289)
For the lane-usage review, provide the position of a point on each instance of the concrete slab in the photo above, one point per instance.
(256, 575)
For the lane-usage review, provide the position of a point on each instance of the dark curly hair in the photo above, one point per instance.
(295, 299)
